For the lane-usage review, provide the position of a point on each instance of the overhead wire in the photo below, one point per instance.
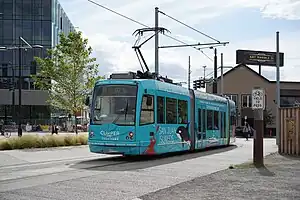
(106, 8)
(189, 26)
(137, 22)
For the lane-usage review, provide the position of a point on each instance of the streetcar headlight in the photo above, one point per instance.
(91, 134)
(130, 135)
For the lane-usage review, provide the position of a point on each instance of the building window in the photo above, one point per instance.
(289, 101)
(4, 70)
(246, 101)
(61, 23)
(233, 97)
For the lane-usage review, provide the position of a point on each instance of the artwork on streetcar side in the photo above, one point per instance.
(150, 149)
(183, 133)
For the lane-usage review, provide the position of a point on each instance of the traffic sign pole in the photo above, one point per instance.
(258, 106)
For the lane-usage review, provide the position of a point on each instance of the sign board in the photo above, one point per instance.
(265, 58)
(258, 99)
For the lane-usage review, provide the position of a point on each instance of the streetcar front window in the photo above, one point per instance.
(114, 104)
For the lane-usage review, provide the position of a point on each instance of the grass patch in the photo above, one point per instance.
(249, 165)
(35, 141)
(245, 165)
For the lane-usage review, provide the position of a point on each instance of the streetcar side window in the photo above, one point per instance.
(209, 119)
(171, 111)
(216, 120)
(223, 125)
(182, 112)
(147, 111)
(161, 110)
(204, 120)
(200, 121)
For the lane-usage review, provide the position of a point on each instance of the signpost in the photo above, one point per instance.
(258, 106)
(265, 58)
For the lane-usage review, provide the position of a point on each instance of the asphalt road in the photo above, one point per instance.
(280, 179)
(74, 173)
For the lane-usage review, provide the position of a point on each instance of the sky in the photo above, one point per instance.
(245, 24)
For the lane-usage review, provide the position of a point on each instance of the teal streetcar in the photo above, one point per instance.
(150, 116)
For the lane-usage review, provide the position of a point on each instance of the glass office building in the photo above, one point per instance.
(39, 22)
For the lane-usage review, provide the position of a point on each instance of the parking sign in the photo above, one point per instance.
(258, 99)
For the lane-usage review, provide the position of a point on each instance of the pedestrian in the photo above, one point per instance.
(53, 130)
(246, 130)
(56, 129)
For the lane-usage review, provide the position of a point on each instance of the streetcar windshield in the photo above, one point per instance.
(114, 104)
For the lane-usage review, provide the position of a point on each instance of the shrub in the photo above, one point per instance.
(35, 141)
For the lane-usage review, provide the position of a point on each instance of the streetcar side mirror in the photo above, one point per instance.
(87, 101)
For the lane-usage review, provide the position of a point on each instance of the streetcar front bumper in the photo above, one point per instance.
(124, 148)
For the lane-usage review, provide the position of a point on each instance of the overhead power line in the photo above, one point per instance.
(133, 20)
(137, 22)
(189, 26)
(205, 55)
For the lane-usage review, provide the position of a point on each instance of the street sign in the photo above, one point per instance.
(265, 58)
(258, 99)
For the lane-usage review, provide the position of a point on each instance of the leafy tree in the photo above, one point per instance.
(68, 73)
(268, 119)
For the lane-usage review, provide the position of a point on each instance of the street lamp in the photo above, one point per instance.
(21, 39)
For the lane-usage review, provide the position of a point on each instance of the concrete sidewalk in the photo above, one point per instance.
(30, 156)
(280, 179)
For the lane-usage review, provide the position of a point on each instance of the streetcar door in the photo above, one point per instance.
(146, 127)
(192, 119)
(228, 122)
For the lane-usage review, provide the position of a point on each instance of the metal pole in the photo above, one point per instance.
(222, 80)
(20, 91)
(278, 91)
(156, 42)
(13, 95)
(215, 86)
(189, 72)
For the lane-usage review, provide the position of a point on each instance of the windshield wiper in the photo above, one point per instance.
(119, 115)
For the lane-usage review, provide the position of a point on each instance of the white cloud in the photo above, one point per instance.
(286, 9)
(111, 35)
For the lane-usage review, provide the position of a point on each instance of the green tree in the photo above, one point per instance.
(68, 73)
(268, 119)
